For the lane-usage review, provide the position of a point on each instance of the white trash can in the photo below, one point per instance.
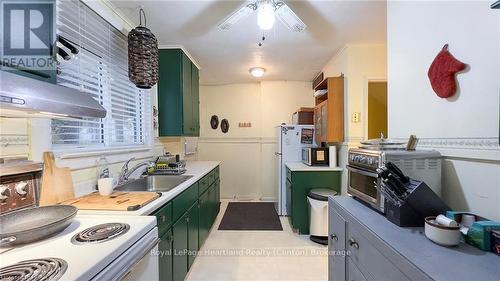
(318, 214)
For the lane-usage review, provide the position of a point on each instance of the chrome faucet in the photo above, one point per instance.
(126, 172)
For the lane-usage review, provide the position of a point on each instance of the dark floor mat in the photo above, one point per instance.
(250, 216)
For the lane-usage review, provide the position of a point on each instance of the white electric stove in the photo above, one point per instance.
(93, 247)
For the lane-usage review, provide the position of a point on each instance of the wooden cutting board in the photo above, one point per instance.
(57, 183)
(117, 201)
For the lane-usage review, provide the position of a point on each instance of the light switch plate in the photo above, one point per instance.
(356, 117)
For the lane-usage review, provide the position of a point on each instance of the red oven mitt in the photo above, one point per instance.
(442, 73)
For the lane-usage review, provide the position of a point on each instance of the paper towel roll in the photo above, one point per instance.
(332, 150)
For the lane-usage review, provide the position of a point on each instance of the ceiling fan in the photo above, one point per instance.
(267, 11)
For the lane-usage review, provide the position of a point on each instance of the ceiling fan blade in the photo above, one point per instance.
(289, 18)
(238, 15)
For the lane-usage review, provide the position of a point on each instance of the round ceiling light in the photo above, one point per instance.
(257, 71)
(265, 15)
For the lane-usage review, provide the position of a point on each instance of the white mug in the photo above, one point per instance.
(105, 186)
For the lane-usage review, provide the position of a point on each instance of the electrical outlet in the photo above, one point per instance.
(245, 125)
(355, 117)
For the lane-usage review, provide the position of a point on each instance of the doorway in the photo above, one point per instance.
(377, 109)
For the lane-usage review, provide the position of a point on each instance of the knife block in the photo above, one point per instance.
(420, 203)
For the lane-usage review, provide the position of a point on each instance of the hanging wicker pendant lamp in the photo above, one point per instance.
(142, 55)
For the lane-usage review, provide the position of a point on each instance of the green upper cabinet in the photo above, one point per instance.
(195, 95)
(178, 95)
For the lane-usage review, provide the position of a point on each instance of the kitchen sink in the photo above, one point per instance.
(157, 183)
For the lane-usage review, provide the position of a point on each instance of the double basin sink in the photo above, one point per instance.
(154, 183)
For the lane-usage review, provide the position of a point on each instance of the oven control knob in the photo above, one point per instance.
(22, 188)
(363, 160)
(4, 193)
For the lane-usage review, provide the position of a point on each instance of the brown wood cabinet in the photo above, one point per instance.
(329, 111)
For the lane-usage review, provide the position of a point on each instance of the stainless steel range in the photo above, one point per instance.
(423, 165)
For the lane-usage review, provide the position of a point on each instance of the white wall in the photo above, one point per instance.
(14, 137)
(465, 127)
(359, 64)
(249, 169)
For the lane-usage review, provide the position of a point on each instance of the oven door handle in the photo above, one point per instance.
(362, 172)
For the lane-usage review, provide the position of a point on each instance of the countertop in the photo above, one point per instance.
(197, 169)
(463, 262)
(301, 167)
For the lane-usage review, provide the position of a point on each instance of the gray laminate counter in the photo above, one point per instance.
(404, 249)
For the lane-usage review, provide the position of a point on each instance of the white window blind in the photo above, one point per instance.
(99, 69)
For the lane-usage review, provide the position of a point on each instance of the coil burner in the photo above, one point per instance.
(100, 233)
(47, 269)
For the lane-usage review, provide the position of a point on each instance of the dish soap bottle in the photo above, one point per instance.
(102, 168)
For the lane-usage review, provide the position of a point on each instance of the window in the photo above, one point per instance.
(100, 69)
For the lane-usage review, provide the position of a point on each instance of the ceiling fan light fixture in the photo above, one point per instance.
(265, 15)
(257, 72)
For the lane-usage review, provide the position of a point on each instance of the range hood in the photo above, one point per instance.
(23, 94)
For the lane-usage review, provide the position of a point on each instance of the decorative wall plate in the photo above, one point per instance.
(214, 122)
(224, 126)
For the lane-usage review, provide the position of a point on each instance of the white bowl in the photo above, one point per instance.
(440, 234)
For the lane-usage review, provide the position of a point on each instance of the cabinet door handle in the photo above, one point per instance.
(353, 243)
(162, 218)
(187, 219)
(334, 237)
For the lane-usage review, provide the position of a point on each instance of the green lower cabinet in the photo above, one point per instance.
(212, 197)
(204, 225)
(217, 195)
(164, 218)
(180, 247)
(193, 233)
(289, 210)
(300, 185)
(166, 254)
(183, 225)
(184, 201)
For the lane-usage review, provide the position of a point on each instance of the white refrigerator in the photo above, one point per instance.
(291, 140)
